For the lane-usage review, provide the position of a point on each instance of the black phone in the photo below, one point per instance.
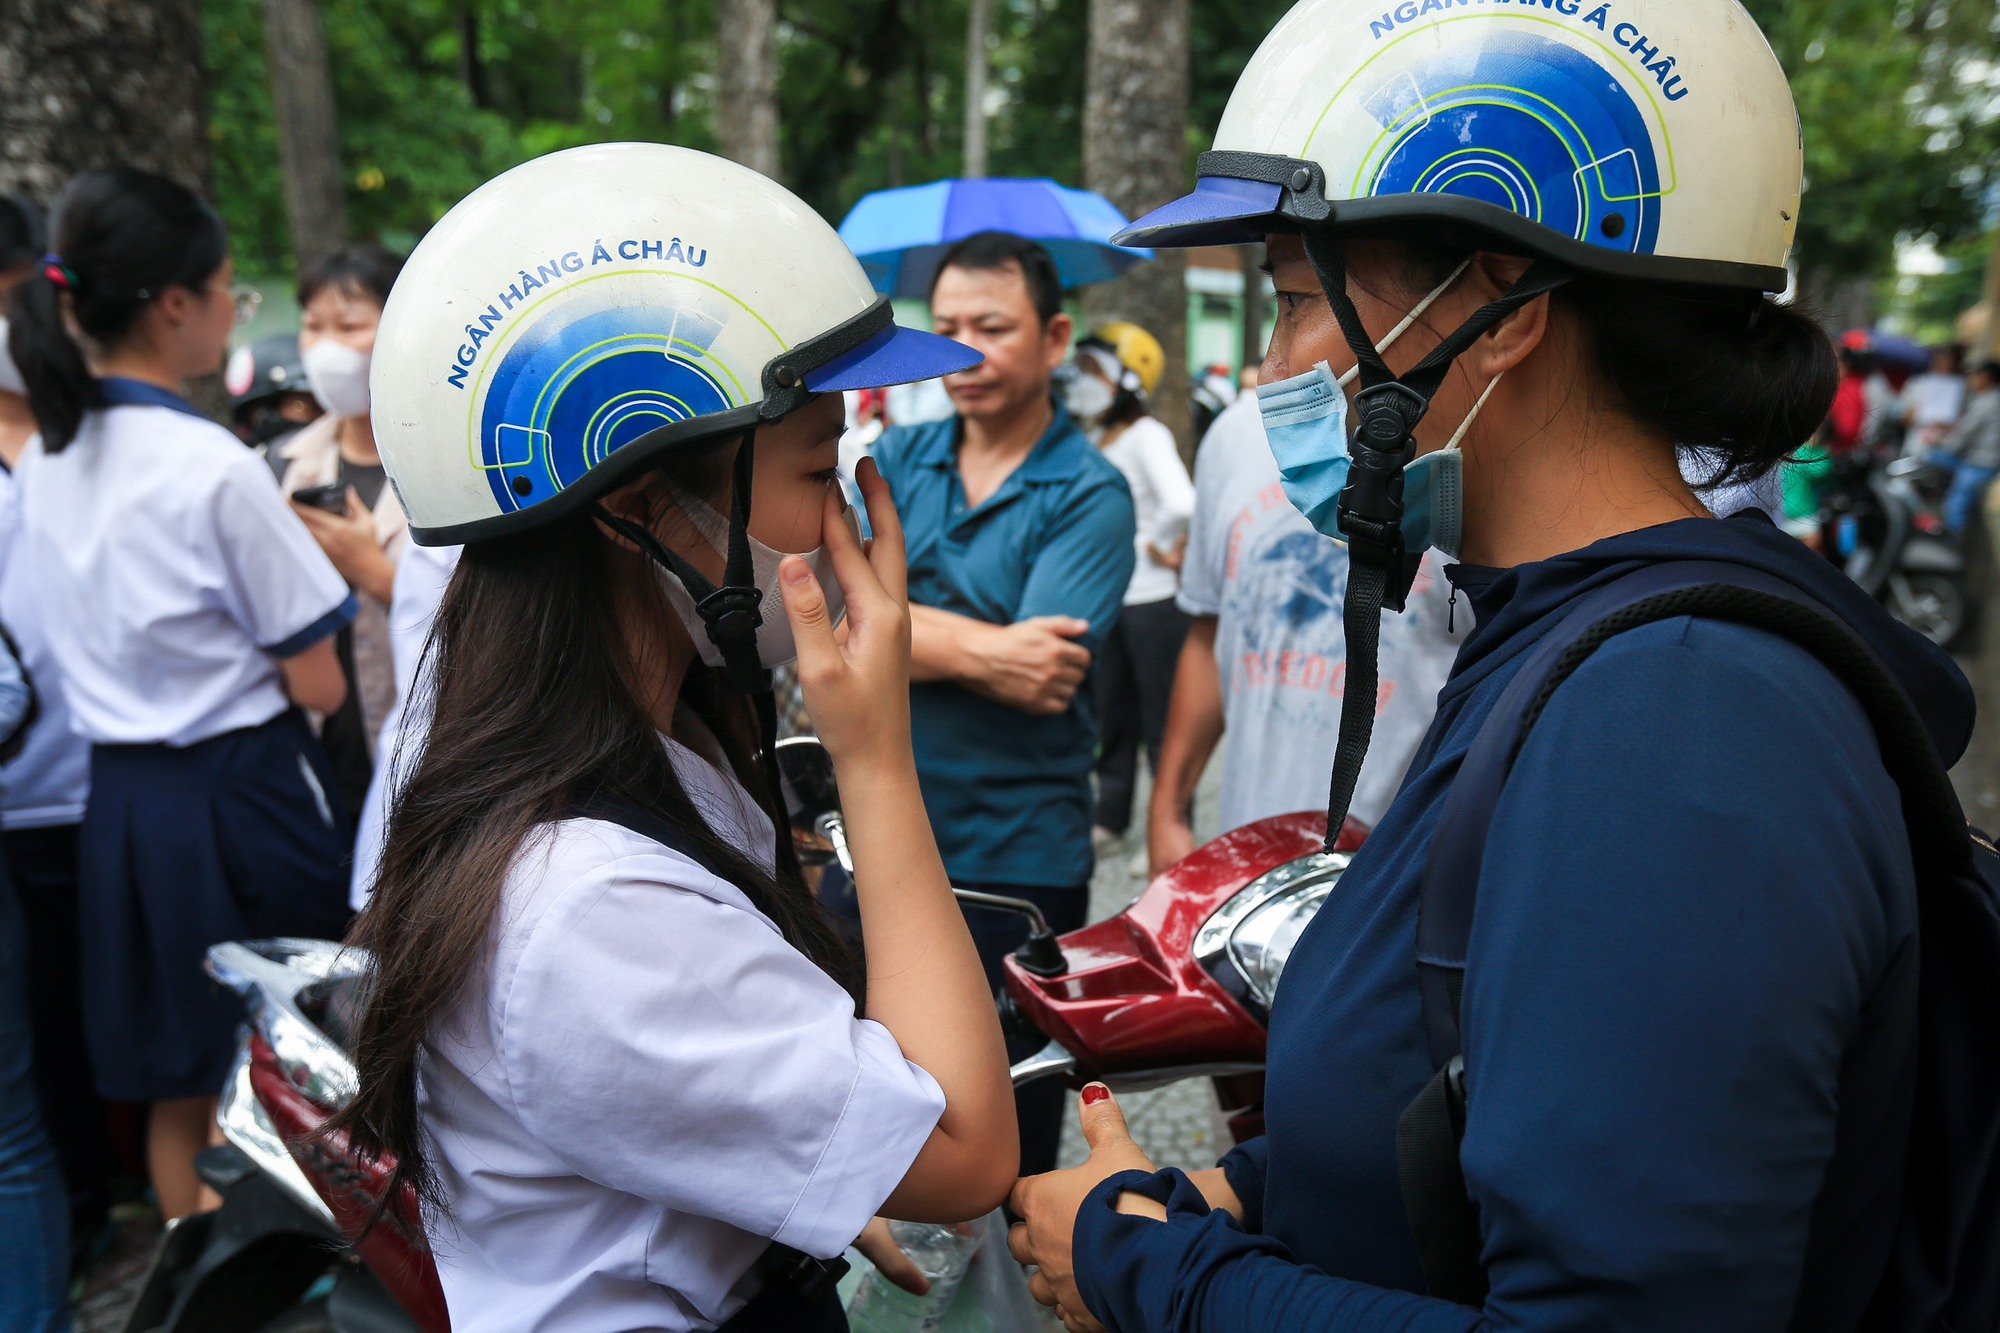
(332, 497)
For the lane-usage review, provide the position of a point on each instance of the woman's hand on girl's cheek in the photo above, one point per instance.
(1048, 1206)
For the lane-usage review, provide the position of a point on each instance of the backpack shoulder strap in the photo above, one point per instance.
(644, 823)
(1442, 1216)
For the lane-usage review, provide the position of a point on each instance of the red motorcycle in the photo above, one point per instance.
(1176, 986)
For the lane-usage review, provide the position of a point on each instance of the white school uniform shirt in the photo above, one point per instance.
(1162, 500)
(171, 574)
(647, 1085)
(47, 783)
(422, 575)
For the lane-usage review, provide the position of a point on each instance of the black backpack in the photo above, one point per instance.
(1944, 1270)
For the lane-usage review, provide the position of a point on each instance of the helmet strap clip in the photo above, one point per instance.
(1381, 573)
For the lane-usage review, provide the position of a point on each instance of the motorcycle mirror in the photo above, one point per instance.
(805, 774)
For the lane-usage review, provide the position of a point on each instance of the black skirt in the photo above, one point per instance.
(241, 836)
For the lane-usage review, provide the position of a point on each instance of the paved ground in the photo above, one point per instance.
(1176, 1125)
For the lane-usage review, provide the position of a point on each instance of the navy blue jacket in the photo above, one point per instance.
(1689, 1010)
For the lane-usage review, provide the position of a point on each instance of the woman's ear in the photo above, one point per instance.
(1514, 339)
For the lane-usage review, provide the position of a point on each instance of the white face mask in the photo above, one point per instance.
(10, 374)
(338, 376)
(1089, 397)
(775, 644)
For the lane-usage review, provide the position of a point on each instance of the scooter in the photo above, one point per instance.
(1176, 986)
(1887, 532)
(280, 1255)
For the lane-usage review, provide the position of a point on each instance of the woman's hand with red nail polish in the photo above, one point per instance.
(1048, 1206)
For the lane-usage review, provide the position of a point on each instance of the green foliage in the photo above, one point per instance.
(437, 95)
(1897, 103)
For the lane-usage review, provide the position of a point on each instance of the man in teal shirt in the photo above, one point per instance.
(1021, 545)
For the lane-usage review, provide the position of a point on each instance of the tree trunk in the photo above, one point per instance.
(747, 60)
(978, 29)
(1990, 344)
(1255, 340)
(99, 83)
(1135, 116)
(471, 60)
(90, 83)
(308, 130)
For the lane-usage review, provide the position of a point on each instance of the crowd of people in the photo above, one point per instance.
(499, 713)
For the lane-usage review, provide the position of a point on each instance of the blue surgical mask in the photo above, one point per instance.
(1305, 419)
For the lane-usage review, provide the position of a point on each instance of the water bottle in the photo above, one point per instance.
(942, 1253)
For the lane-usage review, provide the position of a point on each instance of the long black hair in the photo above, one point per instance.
(20, 232)
(531, 672)
(121, 237)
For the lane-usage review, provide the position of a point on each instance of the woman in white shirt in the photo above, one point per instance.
(611, 1042)
(190, 617)
(347, 502)
(1118, 368)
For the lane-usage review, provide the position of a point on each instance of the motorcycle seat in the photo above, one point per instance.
(333, 1006)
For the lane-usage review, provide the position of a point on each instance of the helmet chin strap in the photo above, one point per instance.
(1380, 572)
(732, 612)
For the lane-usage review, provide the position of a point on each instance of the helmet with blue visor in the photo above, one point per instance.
(574, 320)
(1654, 141)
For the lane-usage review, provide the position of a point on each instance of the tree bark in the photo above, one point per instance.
(747, 75)
(308, 129)
(1135, 116)
(978, 31)
(91, 83)
(1256, 341)
(1990, 344)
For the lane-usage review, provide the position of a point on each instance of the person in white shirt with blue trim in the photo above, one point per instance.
(191, 617)
(628, 1069)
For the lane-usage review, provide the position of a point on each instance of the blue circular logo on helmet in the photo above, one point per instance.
(582, 383)
(1527, 124)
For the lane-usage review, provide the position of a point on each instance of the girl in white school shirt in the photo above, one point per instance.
(190, 616)
(610, 1038)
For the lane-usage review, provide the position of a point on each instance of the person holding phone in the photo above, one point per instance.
(191, 618)
(334, 478)
(610, 1039)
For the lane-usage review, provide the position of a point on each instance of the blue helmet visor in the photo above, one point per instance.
(896, 355)
(1221, 211)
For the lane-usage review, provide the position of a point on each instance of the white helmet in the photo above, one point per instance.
(572, 318)
(1652, 139)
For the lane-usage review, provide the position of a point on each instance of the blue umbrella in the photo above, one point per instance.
(900, 235)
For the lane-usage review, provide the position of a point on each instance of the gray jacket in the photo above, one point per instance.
(1975, 440)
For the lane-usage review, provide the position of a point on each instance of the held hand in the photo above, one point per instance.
(1048, 1206)
(856, 683)
(1034, 666)
(878, 1246)
(347, 538)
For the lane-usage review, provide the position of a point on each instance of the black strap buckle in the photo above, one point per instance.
(797, 1271)
(732, 613)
